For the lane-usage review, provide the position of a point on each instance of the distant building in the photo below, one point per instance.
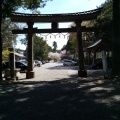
(19, 56)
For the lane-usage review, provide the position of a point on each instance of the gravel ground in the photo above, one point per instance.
(56, 71)
(67, 98)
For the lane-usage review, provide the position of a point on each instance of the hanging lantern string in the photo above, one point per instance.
(54, 35)
(64, 34)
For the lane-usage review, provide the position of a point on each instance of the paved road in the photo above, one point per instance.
(52, 71)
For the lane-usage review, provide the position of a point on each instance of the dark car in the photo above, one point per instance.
(99, 64)
(43, 61)
(21, 65)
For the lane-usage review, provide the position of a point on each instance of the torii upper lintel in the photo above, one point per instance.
(50, 18)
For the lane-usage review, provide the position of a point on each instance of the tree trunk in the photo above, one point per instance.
(116, 38)
(0, 40)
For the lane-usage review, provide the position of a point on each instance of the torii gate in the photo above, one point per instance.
(54, 19)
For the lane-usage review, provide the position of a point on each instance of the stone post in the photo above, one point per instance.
(30, 73)
(12, 63)
(94, 56)
(104, 61)
(89, 57)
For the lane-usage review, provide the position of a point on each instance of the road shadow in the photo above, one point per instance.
(64, 99)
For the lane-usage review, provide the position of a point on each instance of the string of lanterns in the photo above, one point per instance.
(54, 35)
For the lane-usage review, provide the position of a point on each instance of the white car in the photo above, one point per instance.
(67, 62)
(37, 63)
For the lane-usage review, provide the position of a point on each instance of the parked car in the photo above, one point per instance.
(23, 61)
(18, 64)
(99, 64)
(67, 62)
(47, 61)
(43, 62)
(37, 63)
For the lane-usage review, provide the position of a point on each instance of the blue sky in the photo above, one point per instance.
(63, 6)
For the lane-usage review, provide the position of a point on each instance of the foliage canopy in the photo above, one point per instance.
(9, 6)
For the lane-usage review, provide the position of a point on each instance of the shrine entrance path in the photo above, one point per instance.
(56, 71)
(69, 98)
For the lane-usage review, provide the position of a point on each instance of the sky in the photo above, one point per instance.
(62, 6)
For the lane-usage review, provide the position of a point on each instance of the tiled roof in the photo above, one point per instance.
(20, 55)
(94, 44)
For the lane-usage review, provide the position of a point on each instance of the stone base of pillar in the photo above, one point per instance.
(30, 75)
(82, 73)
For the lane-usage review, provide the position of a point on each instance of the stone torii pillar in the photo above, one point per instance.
(30, 73)
(81, 72)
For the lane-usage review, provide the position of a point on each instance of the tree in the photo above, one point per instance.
(5, 54)
(54, 56)
(104, 23)
(24, 40)
(109, 22)
(88, 37)
(54, 45)
(41, 48)
(7, 37)
(72, 44)
(116, 38)
(8, 6)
